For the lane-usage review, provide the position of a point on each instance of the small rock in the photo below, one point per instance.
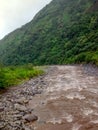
(1, 109)
(20, 107)
(21, 101)
(25, 128)
(2, 124)
(18, 116)
(28, 111)
(30, 118)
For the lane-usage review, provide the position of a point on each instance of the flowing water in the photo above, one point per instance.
(70, 100)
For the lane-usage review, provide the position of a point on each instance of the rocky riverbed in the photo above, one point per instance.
(14, 110)
(65, 98)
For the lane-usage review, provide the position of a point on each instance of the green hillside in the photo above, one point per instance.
(65, 31)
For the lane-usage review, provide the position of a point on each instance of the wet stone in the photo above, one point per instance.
(18, 117)
(26, 128)
(20, 107)
(1, 109)
(28, 111)
(2, 125)
(30, 118)
(21, 101)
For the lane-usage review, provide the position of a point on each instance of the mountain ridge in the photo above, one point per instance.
(62, 32)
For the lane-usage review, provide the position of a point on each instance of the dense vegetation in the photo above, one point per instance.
(65, 31)
(14, 75)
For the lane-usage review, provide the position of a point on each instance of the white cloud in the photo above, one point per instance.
(14, 13)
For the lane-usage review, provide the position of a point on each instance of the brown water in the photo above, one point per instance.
(69, 102)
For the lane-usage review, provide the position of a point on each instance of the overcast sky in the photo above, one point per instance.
(15, 13)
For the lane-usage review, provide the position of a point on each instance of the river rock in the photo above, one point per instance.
(2, 125)
(1, 109)
(20, 107)
(30, 118)
(21, 101)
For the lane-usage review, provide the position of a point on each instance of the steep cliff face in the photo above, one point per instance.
(65, 31)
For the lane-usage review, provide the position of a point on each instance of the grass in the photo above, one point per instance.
(13, 75)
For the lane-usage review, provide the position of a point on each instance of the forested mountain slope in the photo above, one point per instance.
(65, 31)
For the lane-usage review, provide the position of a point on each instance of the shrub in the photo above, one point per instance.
(10, 76)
